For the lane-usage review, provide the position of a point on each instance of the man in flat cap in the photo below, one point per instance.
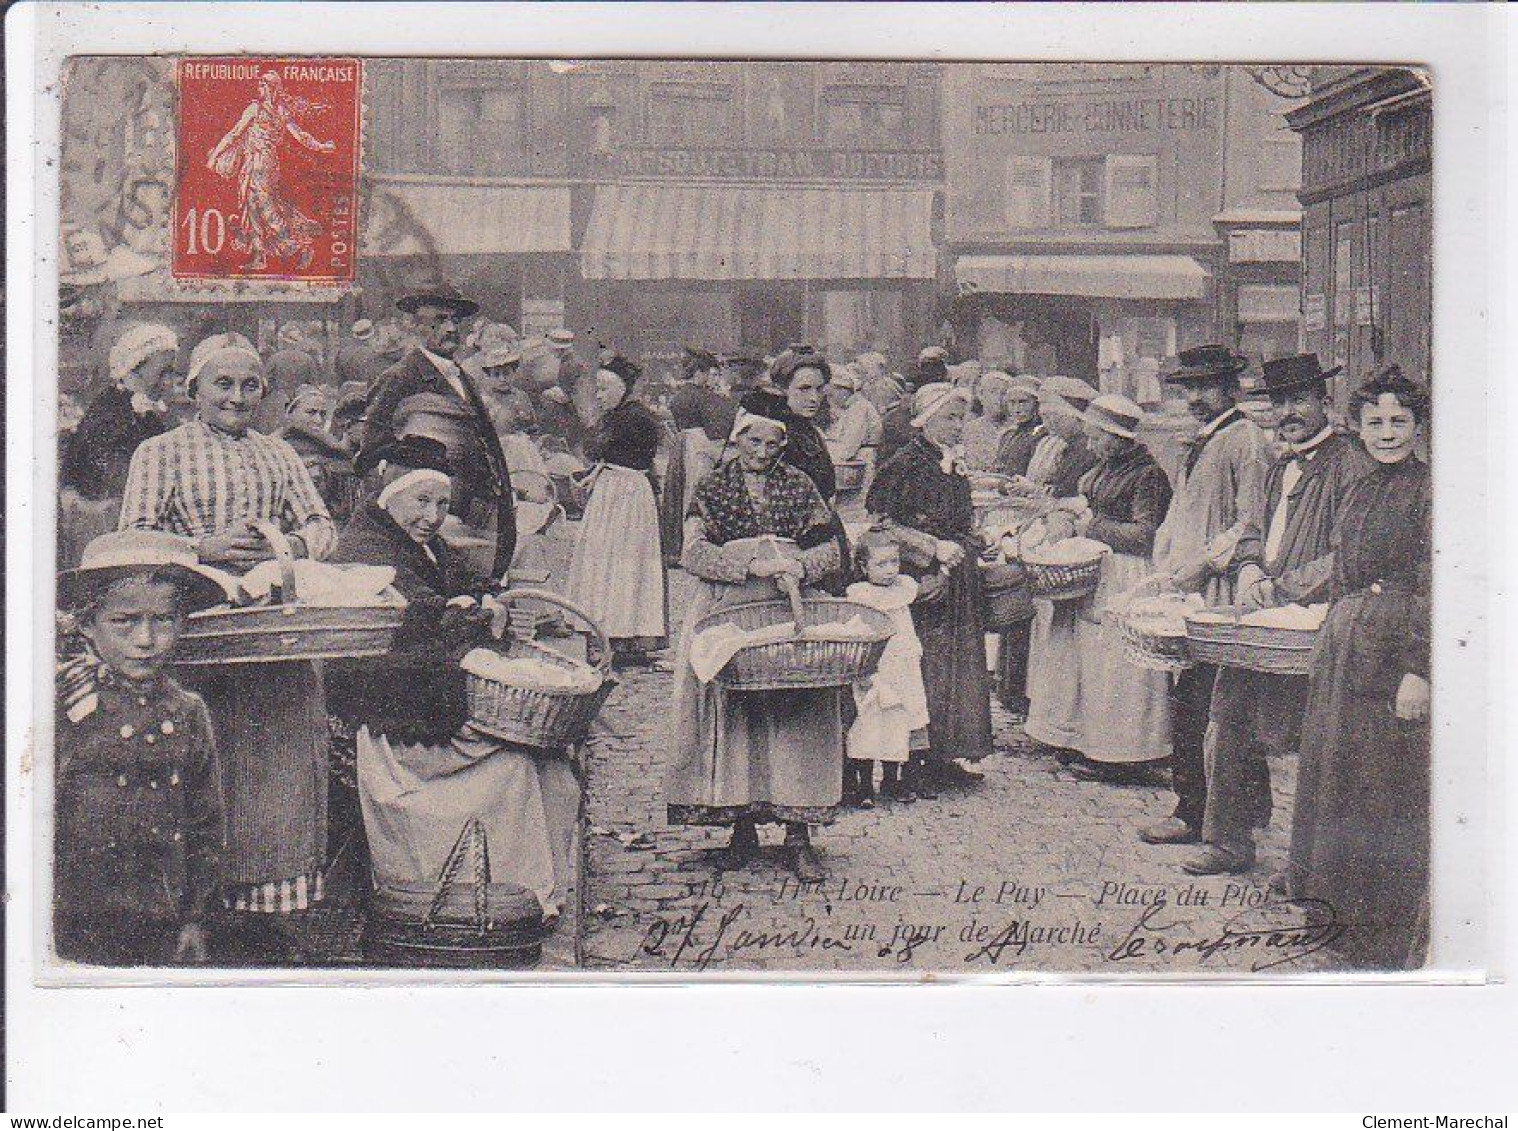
(439, 312)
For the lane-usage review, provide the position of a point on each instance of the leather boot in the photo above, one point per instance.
(744, 846)
(803, 857)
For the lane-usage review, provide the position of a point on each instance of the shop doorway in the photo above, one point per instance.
(1043, 334)
(771, 316)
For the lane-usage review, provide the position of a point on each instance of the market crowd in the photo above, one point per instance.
(199, 808)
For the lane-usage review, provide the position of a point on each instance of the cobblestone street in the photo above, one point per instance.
(1033, 870)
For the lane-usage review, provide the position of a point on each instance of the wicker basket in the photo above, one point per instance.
(850, 474)
(1154, 651)
(541, 717)
(1062, 581)
(268, 634)
(1275, 651)
(799, 664)
(1008, 601)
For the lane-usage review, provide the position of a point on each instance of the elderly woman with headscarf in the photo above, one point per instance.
(211, 480)
(1107, 710)
(423, 771)
(93, 464)
(923, 497)
(1062, 454)
(617, 573)
(756, 523)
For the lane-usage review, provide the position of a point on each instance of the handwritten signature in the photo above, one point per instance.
(1279, 943)
(683, 940)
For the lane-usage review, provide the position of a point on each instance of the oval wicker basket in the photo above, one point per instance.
(545, 718)
(1154, 651)
(1256, 648)
(1062, 581)
(289, 630)
(850, 474)
(799, 664)
(1008, 601)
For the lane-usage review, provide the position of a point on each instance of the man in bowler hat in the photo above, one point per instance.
(438, 312)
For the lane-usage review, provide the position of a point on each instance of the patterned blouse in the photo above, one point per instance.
(196, 481)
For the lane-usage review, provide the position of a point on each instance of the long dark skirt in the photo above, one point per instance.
(1360, 836)
(952, 630)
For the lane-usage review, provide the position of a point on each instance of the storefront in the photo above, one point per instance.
(505, 245)
(1367, 219)
(1082, 213)
(747, 269)
(1108, 319)
(1259, 289)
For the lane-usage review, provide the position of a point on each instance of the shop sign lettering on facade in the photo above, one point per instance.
(772, 164)
(1133, 116)
(267, 169)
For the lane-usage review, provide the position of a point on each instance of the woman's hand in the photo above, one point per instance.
(1413, 696)
(949, 553)
(191, 949)
(237, 545)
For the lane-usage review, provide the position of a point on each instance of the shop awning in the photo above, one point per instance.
(741, 232)
(419, 218)
(1089, 276)
(1262, 302)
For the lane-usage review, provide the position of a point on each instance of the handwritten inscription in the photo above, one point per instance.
(992, 923)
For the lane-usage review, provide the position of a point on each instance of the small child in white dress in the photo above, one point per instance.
(892, 705)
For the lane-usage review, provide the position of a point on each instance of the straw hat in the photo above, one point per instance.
(1116, 414)
(131, 553)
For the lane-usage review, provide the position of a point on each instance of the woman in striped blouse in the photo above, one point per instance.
(210, 480)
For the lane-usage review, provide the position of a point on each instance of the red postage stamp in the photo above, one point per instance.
(267, 168)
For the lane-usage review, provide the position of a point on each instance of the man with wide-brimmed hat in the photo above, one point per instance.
(438, 311)
(1283, 556)
(1219, 486)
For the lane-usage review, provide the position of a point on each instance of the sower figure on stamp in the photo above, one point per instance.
(1219, 486)
(1282, 557)
(267, 220)
(430, 368)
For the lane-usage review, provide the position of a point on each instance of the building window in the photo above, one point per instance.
(1132, 191)
(1078, 192)
(1027, 192)
(480, 128)
(684, 113)
(861, 113)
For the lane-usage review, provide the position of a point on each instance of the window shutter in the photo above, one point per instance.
(1029, 188)
(1132, 191)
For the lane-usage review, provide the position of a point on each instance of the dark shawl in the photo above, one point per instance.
(920, 502)
(1129, 495)
(1014, 451)
(804, 446)
(627, 436)
(97, 455)
(790, 509)
(415, 694)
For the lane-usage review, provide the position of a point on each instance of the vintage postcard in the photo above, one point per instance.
(712, 518)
